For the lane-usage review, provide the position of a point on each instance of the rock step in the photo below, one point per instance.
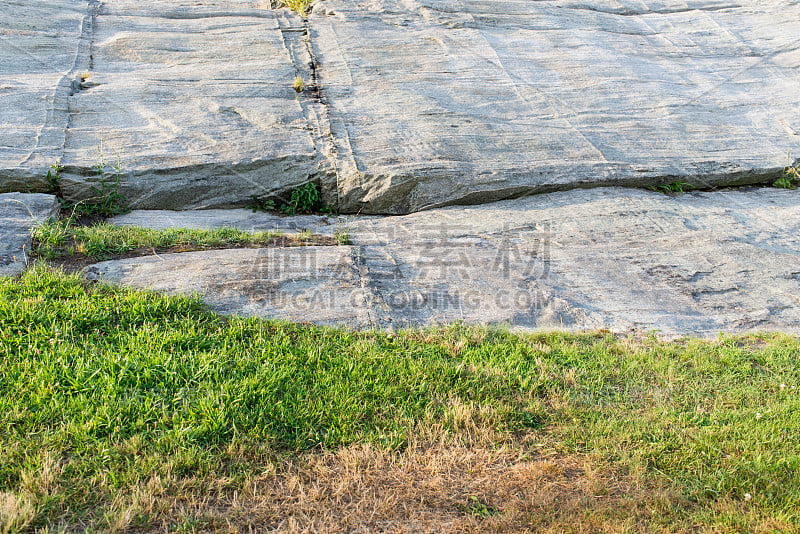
(620, 259)
(242, 219)
(19, 213)
(407, 105)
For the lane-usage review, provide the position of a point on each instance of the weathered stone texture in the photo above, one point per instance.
(19, 213)
(439, 101)
(316, 284)
(409, 104)
(194, 100)
(621, 259)
(40, 42)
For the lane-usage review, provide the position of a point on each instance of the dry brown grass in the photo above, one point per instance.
(438, 486)
(442, 489)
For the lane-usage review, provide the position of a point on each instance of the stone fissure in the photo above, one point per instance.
(296, 40)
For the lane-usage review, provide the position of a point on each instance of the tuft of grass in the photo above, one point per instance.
(298, 6)
(54, 179)
(130, 410)
(477, 508)
(260, 204)
(298, 84)
(59, 239)
(674, 188)
(342, 232)
(790, 177)
(106, 200)
(304, 199)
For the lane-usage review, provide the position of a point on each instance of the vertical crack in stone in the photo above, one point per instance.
(378, 311)
(84, 61)
(296, 35)
(53, 131)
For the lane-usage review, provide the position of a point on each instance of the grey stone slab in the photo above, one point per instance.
(617, 259)
(620, 259)
(243, 219)
(40, 46)
(314, 284)
(409, 105)
(434, 102)
(19, 213)
(195, 100)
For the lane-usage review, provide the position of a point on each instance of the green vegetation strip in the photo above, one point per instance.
(58, 239)
(114, 386)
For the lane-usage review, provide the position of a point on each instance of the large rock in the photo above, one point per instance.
(19, 214)
(434, 102)
(408, 104)
(304, 284)
(613, 258)
(40, 44)
(196, 100)
(193, 100)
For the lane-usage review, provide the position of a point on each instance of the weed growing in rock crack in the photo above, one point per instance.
(259, 204)
(54, 179)
(107, 201)
(304, 235)
(342, 232)
(329, 210)
(298, 6)
(304, 199)
(790, 177)
(675, 188)
(298, 84)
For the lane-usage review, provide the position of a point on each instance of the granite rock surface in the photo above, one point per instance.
(19, 214)
(469, 101)
(408, 104)
(610, 258)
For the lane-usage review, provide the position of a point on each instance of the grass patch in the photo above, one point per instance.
(298, 6)
(790, 177)
(298, 84)
(65, 244)
(129, 410)
(673, 188)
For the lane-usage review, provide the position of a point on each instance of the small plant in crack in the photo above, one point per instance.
(790, 177)
(298, 6)
(673, 188)
(342, 232)
(261, 204)
(298, 84)
(54, 180)
(303, 199)
(304, 235)
(107, 201)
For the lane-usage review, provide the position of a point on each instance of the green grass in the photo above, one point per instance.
(58, 239)
(789, 178)
(298, 6)
(103, 390)
(673, 188)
